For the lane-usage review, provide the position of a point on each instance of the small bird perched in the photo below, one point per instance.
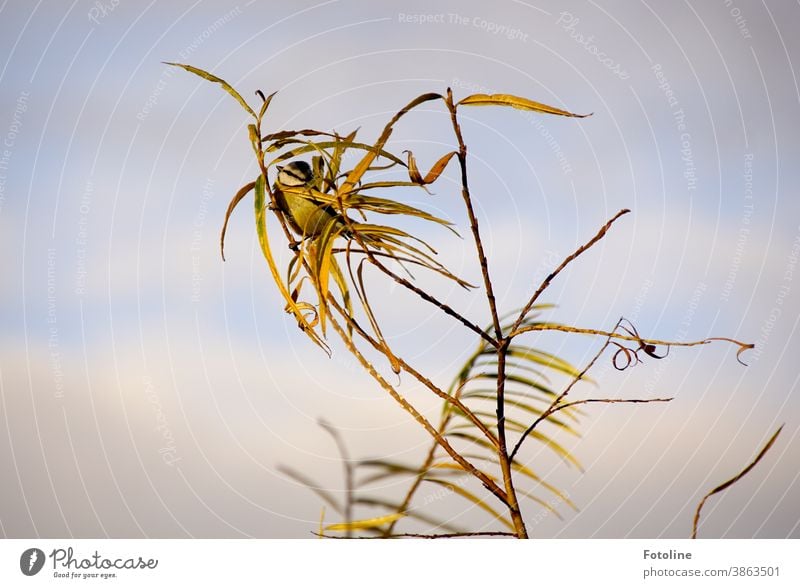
(306, 216)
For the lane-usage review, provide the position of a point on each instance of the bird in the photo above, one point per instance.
(294, 188)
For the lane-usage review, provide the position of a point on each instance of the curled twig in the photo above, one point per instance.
(619, 336)
(632, 355)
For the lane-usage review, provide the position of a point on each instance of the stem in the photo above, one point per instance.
(502, 450)
(502, 344)
(473, 220)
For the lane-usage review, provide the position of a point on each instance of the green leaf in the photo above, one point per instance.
(212, 78)
(243, 191)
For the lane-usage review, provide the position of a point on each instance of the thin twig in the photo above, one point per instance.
(566, 391)
(567, 329)
(527, 308)
(733, 480)
(612, 401)
(589, 401)
(423, 536)
(473, 220)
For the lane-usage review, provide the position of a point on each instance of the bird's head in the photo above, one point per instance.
(295, 174)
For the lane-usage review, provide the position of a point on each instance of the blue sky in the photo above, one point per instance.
(126, 339)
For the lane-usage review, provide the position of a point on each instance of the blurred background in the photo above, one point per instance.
(149, 389)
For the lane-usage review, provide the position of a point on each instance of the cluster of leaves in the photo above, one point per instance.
(348, 191)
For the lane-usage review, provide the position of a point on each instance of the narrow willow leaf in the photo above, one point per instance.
(358, 172)
(512, 403)
(438, 168)
(388, 184)
(212, 78)
(365, 523)
(385, 349)
(281, 135)
(254, 143)
(338, 278)
(413, 170)
(322, 266)
(528, 382)
(529, 473)
(411, 513)
(313, 486)
(472, 498)
(265, 105)
(307, 146)
(243, 191)
(519, 427)
(515, 102)
(544, 359)
(299, 310)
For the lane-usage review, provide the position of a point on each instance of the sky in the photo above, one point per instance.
(149, 389)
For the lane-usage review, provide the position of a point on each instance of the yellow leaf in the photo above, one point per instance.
(365, 523)
(515, 102)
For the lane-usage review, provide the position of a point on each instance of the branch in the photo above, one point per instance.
(733, 480)
(527, 308)
(473, 220)
(422, 536)
(567, 329)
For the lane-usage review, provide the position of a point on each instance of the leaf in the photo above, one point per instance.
(513, 403)
(212, 78)
(472, 498)
(515, 102)
(265, 104)
(313, 486)
(526, 471)
(307, 146)
(338, 277)
(358, 172)
(243, 191)
(365, 523)
(410, 513)
(297, 309)
(438, 168)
